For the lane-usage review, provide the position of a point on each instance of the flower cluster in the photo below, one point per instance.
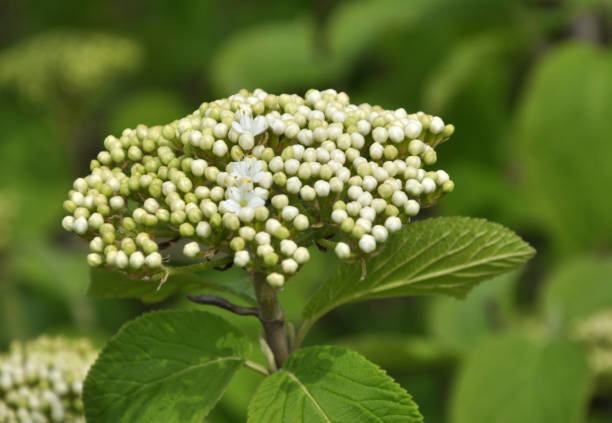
(42, 380)
(72, 62)
(596, 333)
(259, 177)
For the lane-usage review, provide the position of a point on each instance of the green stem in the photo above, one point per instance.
(272, 318)
(205, 265)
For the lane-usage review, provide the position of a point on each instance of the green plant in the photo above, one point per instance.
(253, 181)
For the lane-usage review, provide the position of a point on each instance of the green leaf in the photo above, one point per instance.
(460, 325)
(398, 351)
(577, 289)
(515, 380)
(107, 284)
(375, 17)
(561, 142)
(447, 255)
(273, 56)
(330, 384)
(169, 366)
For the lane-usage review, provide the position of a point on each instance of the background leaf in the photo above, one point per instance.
(435, 256)
(169, 366)
(561, 125)
(577, 289)
(330, 384)
(108, 284)
(516, 380)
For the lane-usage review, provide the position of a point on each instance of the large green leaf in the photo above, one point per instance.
(447, 255)
(107, 284)
(577, 289)
(169, 366)
(331, 384)
(561, 142)
(515, 380)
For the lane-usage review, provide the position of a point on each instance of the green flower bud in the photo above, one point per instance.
(237, 243)
(270, 259)
(187, 230)
(261, 213)
(231, 221)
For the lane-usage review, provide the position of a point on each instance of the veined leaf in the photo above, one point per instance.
(331, 384)
(107, 284)
(169, 366)
(447, 255)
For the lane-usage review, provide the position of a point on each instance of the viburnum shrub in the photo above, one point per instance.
(253, 181)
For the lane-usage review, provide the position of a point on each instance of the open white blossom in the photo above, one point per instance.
(240, 197)
(248, 125)
(248, 170)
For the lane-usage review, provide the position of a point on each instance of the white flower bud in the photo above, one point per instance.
(291, 166)
(168, 188)
(293, 185)
(117, 202)
(369, 183)
(151, 205)
(195, 137)
(364, 127)
(342, 250)
(322, 188)
(380, 134)
(357, 140)
(262, 238)
(242, 258)
(354, 192)
(393, 224)
(307, 193)
(353, 208)
(68, 223)
(367, 243)
(368, 213)
(137, 260)
(399, 198)
(396, 134)
(288, 213)
(121, 260)
(411, 208)
(80, 185)
(191, 249)
(280, 201)
(246, 214)
(198, 167)
(272, 225)
(364, 223)
(153, 260)
(365, 198)
(338, 216)
(246, 141)
(80, 225)
(413, 128)
(289, 266)
(220, 130)
(94, 260)
(264, 250)
(247, 233)
(219, 148)
(301, 222)
(380, 233)
(276, 164)
(301, 255)
(288, 247)
(437, 125)
(305, 137)
(429, 185)
(275, 280)
(376, 150)
(336, 184)
(413, 187)
(442, 177)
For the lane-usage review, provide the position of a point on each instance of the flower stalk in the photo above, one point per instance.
(272, 318)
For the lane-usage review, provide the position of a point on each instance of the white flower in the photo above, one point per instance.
(248, 170)
(241, 196)
(248, 125)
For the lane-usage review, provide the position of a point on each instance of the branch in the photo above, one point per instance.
(221, 302)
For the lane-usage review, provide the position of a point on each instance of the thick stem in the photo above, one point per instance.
(272, 318)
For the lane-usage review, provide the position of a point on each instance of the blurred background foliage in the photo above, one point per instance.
(528, 84)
